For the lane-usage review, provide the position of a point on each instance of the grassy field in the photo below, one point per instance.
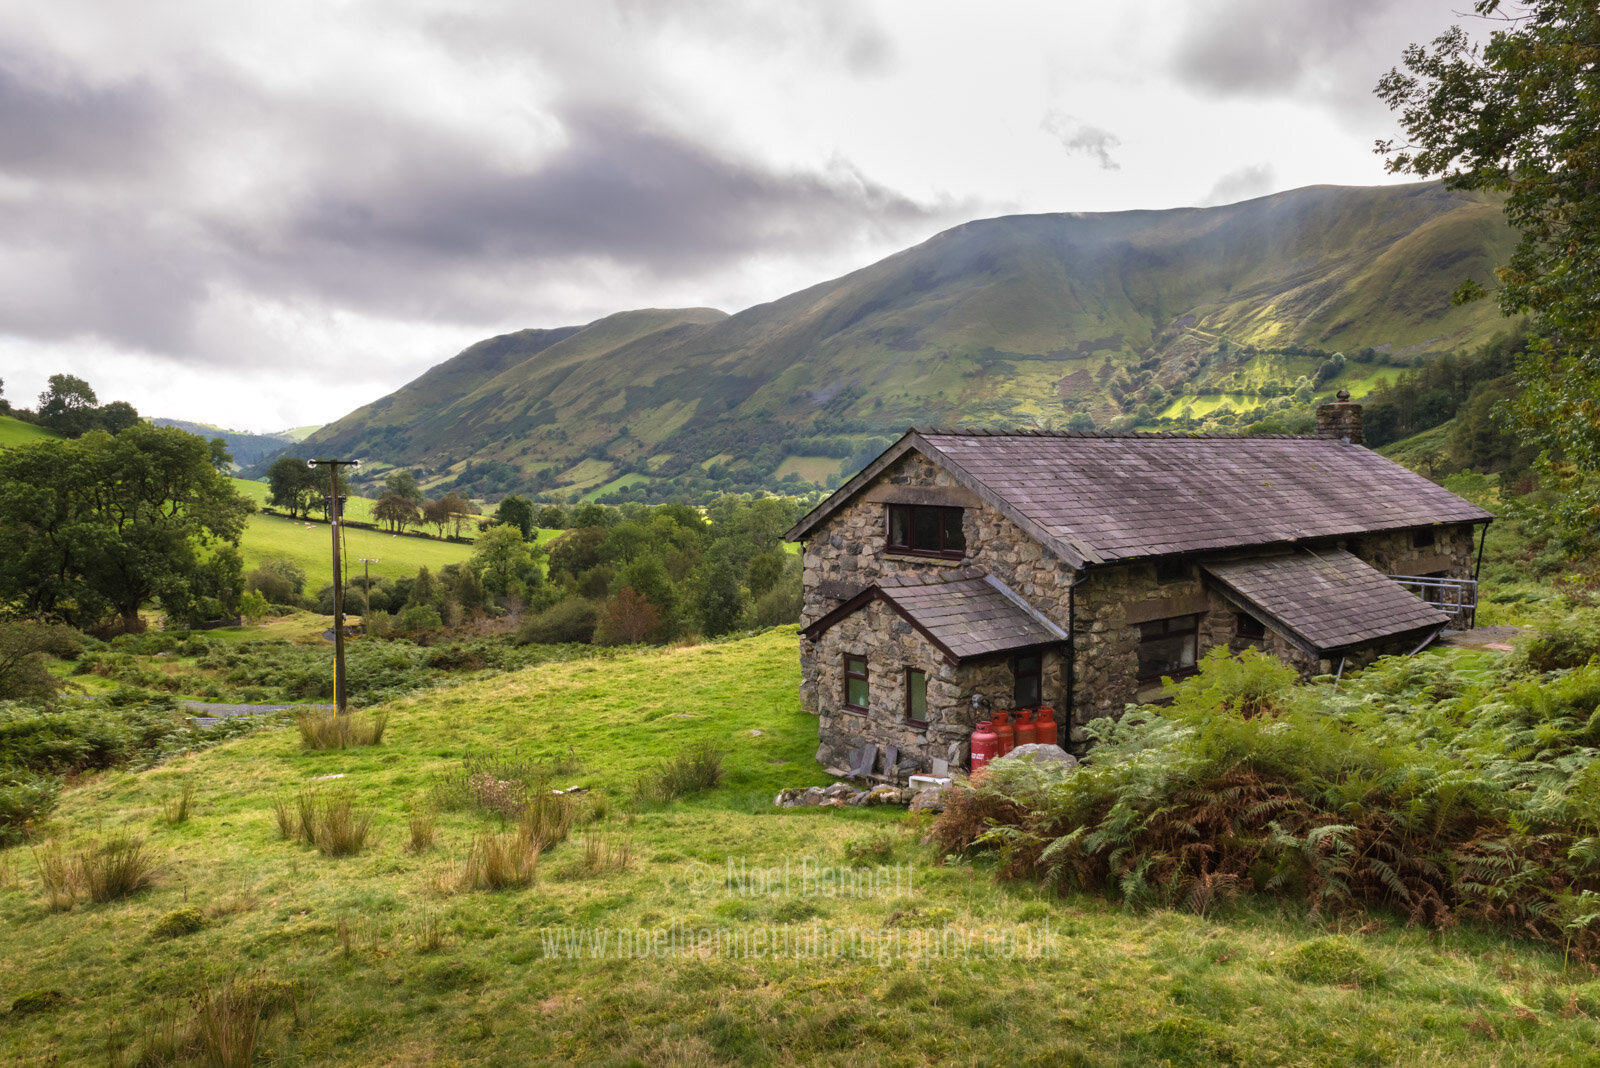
(310, 546)
(14, 431)
(710, 930)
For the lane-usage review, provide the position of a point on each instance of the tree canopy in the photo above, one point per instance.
(94, 528)
(1520, 115)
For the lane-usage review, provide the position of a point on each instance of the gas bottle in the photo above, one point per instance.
(1024, 726)
(1045, 730)
(985, 745)
(1005, 732)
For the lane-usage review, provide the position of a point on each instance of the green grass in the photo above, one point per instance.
(312, 549)
(14, 431)
(632, 478)
(394, 964)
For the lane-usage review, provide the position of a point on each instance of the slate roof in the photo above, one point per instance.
(1329, 599)
(1095, 498)
(964, 615)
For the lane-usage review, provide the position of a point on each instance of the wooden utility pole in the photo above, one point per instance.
(334, 514)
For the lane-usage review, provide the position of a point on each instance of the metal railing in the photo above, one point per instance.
(1456, 598)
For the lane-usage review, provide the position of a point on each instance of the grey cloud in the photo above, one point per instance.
(1245, 183)
(58, 127)
(1079, 137)
(1267, 48)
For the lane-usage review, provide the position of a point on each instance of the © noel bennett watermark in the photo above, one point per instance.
(800, 877)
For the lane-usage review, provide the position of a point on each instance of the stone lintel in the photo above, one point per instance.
(941, 496)
(1167, 607)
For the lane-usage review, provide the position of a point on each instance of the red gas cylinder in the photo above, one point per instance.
(1005, 732)
(1025, 726)
(1045, 731)
(985, 745)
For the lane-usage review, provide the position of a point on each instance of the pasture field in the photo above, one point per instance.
(14, 431)
(310, 546)
(709, 929)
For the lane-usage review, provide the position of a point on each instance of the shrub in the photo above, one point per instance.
(499, 862)
(25, 799)
(571, 620)
(180, 922)
(1565, 642)
(700, 768)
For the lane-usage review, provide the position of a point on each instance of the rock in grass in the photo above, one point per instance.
(31, 1001)
(176, 924)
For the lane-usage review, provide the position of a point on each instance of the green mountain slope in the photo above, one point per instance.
(1023, 319)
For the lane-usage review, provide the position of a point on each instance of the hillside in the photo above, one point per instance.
(14, 431)
(245, 447)
(1015, 320)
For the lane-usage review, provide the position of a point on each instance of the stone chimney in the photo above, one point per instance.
(1340, 420)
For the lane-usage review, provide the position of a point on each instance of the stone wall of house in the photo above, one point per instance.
(890, 645)
(1452, 550)
(958, 695)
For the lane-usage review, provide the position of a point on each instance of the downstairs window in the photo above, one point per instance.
(1168, 646)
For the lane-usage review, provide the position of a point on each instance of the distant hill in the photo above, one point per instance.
(246, 448)
(1117, 318)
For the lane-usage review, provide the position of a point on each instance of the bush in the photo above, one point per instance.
(571, 620)
(25, 799)
(1564, 642)
(278, 579)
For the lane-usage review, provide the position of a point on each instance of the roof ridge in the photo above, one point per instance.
(1123, 435)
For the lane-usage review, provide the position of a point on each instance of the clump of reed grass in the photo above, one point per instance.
(423, 823)
(698, 768)
(231, 1019)
(428, 932)
(546, 819)
(330, 820)
(605, 855)
(177, 807)
(100, 870)
(499, 862)
(332, 730)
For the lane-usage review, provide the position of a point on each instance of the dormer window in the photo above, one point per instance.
(926, 530)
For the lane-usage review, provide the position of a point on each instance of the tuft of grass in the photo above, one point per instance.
(1334, 960)
(424, 826)
(177, 807)
(698, 768)
(428, 932)
(185, 921)
(99, 870)
(330, 730)
(286, 816)
(604, 855)
(499, 862)
(334, 823)
(33, 1001)
(546, 820)
(230, 1020)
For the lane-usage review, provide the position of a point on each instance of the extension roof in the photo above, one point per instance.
(1103, 498)
(964, 615)
(1328, 600)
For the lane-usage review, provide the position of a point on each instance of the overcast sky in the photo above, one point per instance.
(263, 215)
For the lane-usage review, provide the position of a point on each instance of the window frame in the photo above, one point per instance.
(911, 719)
(865, 678)
(1037, 675)
(946, 550)
(1190, 630)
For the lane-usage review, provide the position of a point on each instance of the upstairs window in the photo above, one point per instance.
(1167, 646)
(856, 692)
(926, 529)
(1025, 670)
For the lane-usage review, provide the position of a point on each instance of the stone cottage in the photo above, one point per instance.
(966, 571)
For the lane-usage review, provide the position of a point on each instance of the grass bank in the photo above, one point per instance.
(713, 929)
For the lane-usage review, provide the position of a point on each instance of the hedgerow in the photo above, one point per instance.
(1443, 787)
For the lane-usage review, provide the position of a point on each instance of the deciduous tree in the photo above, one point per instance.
(1520, 115)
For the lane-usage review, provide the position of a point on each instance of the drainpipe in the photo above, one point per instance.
(1072, 656)
(1476, 567)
